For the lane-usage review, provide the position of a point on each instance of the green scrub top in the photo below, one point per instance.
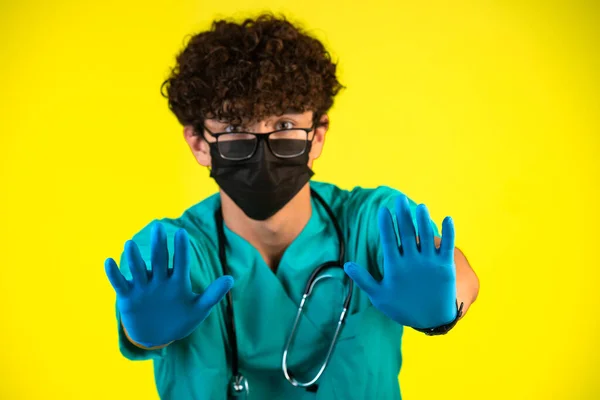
(366, 361)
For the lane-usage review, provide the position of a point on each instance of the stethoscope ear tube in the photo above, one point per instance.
(311, 385)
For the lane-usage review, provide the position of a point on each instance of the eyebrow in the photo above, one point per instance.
(294, 114)
(293, 111)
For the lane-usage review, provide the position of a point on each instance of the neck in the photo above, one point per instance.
(272, 236)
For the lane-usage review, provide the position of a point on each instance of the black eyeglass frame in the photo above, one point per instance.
(260, 136)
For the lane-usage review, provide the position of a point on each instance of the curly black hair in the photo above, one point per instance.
(244, 72)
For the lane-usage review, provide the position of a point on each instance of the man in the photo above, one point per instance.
(253, 101)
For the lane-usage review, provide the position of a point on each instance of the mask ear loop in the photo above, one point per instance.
(316, 124)
(317, 121)
(203, 136)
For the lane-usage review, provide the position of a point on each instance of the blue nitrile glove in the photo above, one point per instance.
(418, 288)
(158, 307)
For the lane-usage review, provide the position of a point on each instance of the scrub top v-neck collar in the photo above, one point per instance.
(236, 247)
(248, 267)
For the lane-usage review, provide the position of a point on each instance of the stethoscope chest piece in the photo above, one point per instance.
(238, 386)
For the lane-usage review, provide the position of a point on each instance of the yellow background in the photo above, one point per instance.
(486, 111)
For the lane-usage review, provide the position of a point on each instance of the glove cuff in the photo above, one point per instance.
(443, 329)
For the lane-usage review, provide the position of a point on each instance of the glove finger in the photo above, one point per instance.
(447, 246)
(387, 232)
(213, 294)
(406, 227)
(159, 255)
(136, 263)
(116, 279)
(426, 241)
(362, 278)
(181, 256)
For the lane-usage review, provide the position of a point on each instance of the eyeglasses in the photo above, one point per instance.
(283, 143)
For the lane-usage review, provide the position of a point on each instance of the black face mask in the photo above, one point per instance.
(263, 184)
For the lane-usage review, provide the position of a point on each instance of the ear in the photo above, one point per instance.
(198, 146)
(319, 138)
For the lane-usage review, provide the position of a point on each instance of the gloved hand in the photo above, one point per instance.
(158, 307)
(418, 288)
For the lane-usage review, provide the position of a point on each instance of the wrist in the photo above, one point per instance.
(445, 328)
(141, 346)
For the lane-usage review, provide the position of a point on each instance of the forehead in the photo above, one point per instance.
(301, 117)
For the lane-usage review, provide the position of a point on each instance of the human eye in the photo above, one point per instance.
(285, 125)
(233, 128)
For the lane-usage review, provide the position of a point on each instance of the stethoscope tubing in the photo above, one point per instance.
(239, 384)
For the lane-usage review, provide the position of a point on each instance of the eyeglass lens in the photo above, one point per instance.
(284, 144)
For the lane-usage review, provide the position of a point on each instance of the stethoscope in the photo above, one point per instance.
(238, 383)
